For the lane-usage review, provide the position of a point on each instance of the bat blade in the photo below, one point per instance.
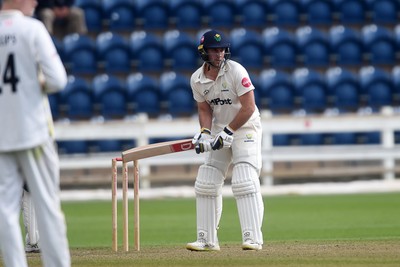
(157, 149)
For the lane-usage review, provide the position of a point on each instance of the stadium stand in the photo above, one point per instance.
(186, 14)
(77, 99)
(143, 94)
(343, 89)
(314, 47)
(277, 91)
(94, 16)
(351, 12)
(114, 52)
(356, 62)
(220, 13)
(120, 15)
(280, 47)
(252, 13)
(147, 51)
(285, 13)
(109, 97)
(347, 46)
(318, 12)
(80, 54)
(384, 11)
(247, 48)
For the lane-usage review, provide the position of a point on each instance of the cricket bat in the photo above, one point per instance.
(157, 149)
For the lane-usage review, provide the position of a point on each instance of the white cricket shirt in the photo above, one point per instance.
(223, 94)
(26, 47)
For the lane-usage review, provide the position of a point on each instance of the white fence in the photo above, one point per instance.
(142, 129)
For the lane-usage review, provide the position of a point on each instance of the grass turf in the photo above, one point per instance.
(329, 230)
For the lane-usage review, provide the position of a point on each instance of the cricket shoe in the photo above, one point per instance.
(32, 248)
(251, 245)
(202, 246)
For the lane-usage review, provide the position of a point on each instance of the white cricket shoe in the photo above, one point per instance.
(202, 246)
(32, 248)
(251, 245)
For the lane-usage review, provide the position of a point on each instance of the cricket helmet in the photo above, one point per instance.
(213, 39)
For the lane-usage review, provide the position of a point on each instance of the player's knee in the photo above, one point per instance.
(245, 180)
(209, 181)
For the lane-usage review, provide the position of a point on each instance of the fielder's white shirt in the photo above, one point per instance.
(25, 48)
(223, 94)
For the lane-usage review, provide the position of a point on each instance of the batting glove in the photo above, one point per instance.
(202, 141)
(223, 140)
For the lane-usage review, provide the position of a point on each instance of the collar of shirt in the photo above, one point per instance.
(202, 77)
(11, 12)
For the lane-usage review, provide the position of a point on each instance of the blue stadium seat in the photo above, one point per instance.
(147, 51)
(177, 94)
(345, 138)
(280, 47)
(311, 87)
(311, 139)
(80, 54)
(253, 13)
(277, 90)
(344, 88)
(318, 12)
(154, 14)
(377, 85)
(247, 48)
(109, 96)
(314, 46)
(351, 12)
(220, 13)
(368, 138)
(188, 14)
(54, 102)
(120, 14)
(181, 50)
(347, 46)
(280, 140)
(113, 50)
(77, 97)
(379, 44)
(93, 10)
(396, 84)
(107, 145)
(286, 13)
(73, 147)
(144, 94)
(59, 46)
(384, 11)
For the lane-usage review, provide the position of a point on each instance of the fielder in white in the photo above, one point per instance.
(27, 151)
(231, 133)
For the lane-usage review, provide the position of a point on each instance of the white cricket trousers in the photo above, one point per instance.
(39, 167)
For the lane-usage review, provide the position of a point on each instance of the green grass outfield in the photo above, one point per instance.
(326, 230)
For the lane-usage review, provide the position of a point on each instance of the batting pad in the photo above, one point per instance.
(208, 188)
(246, 190)
(29, 218)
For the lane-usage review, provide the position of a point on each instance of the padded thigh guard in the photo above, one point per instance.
(29, 218)
(208, 188)
(246, 190)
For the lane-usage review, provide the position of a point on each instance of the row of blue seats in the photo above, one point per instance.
(177, 50)
(340, 138)
(194, 14)
(280, 92)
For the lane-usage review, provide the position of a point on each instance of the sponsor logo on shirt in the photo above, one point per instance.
(219, 101)
(246, 82)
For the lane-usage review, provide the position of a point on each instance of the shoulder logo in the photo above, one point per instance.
(246, 82)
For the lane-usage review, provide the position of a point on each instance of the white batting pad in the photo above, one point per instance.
(29, 218)
(208, 188)
(246, 189)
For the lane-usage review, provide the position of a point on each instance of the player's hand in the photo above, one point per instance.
(202, 141)
(223, 140)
